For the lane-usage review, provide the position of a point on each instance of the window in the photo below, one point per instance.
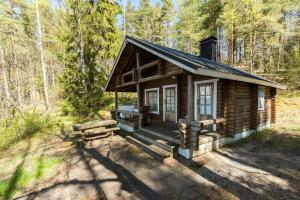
(152, 99)
(261, 98)
(204, 99)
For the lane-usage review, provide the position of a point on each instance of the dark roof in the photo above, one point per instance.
(197, 60)
(196, 64)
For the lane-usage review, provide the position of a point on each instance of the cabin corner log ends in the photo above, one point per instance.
(190, 131)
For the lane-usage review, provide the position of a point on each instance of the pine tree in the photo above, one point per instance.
(211, 9)
(190, 26)
(167, 22)
(91, 42)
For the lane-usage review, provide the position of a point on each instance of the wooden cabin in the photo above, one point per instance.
(187, 104)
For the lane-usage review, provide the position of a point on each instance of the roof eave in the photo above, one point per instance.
(235, 77)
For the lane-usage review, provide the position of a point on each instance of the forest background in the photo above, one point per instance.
(57, 55)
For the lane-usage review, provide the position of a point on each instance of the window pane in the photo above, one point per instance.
(202, 100)
(151, 100)
(202, 109)
(202, 90)
(208, 90)
(208, 109)
(208, 100)
(261, 98)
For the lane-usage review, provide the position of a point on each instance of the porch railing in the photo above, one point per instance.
(131, 118)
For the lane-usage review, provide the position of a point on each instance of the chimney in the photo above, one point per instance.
(208, 48)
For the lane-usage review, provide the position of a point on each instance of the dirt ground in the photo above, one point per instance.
(251, 171)
(120, 170)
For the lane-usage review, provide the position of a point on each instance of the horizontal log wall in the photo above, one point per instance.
(241, 107)
(158, 84)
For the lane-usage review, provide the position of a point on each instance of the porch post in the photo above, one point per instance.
(116, 103)
(138, 84)
(189, 98)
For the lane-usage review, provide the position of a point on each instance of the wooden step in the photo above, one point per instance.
(163, 136)
(156, 141)
(151, 149)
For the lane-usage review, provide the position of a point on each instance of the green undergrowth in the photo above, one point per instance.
(25, 125)
(32, 149)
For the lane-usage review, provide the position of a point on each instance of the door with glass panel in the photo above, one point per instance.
(170, 103)
(205, 101)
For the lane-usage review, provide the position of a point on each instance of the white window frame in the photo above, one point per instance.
(215, 98)
(145, 98)
(258, 98)
(164, 91)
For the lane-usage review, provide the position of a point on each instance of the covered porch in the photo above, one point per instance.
(166, 95)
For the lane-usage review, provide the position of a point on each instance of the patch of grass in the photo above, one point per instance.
(24, 126)
(278, 140)
(288, 112)
(28, 174)
(285, 135)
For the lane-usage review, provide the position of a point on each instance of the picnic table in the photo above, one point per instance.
(96, 129)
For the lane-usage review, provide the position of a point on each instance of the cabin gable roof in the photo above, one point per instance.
(194, 64)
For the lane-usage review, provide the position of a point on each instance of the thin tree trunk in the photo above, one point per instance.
(19, 90)
(44, 69)
(7, 94)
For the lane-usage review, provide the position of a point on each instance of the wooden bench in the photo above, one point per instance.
(96, 129)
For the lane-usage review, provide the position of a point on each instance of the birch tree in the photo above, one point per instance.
(43, 65)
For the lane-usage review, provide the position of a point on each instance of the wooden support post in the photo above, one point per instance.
(138, 64)
(116, 103)
(189, 98)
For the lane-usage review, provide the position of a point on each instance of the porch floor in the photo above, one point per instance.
(168, 129)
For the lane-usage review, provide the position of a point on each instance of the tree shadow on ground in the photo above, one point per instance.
(129, 182)
(225, 183)
(13, 181)
(280, 166)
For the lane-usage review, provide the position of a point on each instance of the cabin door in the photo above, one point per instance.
(170, 103)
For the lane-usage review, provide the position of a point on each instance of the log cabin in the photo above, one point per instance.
(187, 104)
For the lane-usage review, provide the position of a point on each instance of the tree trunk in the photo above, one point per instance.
(7, 94)
(44, 69)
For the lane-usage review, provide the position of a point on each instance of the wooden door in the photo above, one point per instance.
(170, 104)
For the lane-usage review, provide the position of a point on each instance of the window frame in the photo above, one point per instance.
(261, 88)
(215, 98)
(145, 98)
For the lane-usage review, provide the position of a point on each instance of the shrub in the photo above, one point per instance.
(24, 126)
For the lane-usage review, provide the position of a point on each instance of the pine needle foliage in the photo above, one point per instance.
(90, 44)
